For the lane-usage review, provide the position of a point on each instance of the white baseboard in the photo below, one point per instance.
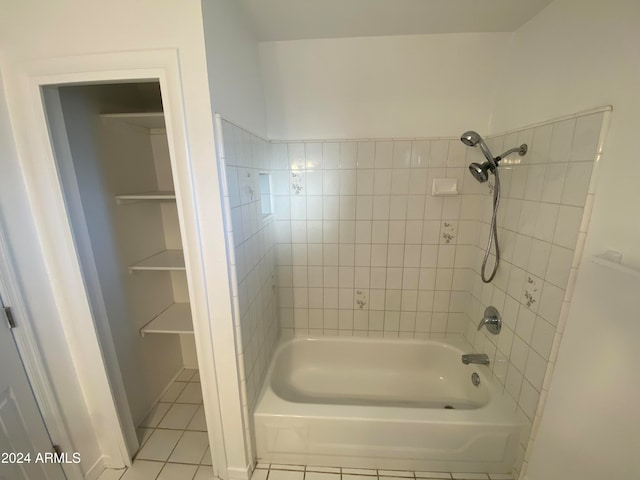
(239, 473)
(96, 470)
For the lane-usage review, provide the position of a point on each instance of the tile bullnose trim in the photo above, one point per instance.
(561, 118)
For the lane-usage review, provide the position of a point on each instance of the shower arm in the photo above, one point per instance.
(522, 149)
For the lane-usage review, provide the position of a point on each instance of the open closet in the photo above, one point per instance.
(114, 163)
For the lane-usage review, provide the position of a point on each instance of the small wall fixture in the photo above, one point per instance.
(492, 320)
(266, 204)
(444, 186)
(612, 259)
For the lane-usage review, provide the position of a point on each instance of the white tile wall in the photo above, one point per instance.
(541, 217)
(252, 253)
(363, 248)
(357, 245)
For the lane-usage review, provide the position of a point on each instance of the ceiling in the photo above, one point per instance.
(301, 19)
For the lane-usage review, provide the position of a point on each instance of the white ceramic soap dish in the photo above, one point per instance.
(444, 186)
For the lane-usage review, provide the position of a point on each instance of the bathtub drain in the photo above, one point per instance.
(449, 407)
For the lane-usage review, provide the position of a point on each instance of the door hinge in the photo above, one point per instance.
(9, 314)
(57, 450)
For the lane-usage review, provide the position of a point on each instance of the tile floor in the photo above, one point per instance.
(173, 438)
(174, 446)
(301, 472)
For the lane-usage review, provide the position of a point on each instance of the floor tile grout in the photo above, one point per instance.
(375, 474)
(304, 469)
(152, 429)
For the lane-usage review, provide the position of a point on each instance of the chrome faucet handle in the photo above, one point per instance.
(492, 320)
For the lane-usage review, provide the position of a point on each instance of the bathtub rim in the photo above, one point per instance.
(498, 410)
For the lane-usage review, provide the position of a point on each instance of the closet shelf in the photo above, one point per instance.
(155, 196)
(150, 120)
(176, 319)
(165, 260)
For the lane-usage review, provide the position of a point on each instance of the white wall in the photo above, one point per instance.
(233, 65)
(400, 86)
(589, 427)
(35, 30)
(580, 54)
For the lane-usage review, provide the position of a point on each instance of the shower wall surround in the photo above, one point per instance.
(357, 245)
(251, 247)
(543, 218)
(363, 247)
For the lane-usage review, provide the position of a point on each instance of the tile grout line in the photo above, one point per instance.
(184, 431)
(413, 473)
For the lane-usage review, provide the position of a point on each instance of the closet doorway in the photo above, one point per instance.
(116, 174)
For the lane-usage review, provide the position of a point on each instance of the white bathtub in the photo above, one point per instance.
(373, 403)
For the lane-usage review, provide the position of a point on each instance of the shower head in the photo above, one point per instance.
(472, 139)
(480, 172)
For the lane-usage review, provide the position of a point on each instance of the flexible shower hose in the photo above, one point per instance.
(493, 233)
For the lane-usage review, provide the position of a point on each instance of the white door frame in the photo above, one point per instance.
(50, 216)
(33, 362)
